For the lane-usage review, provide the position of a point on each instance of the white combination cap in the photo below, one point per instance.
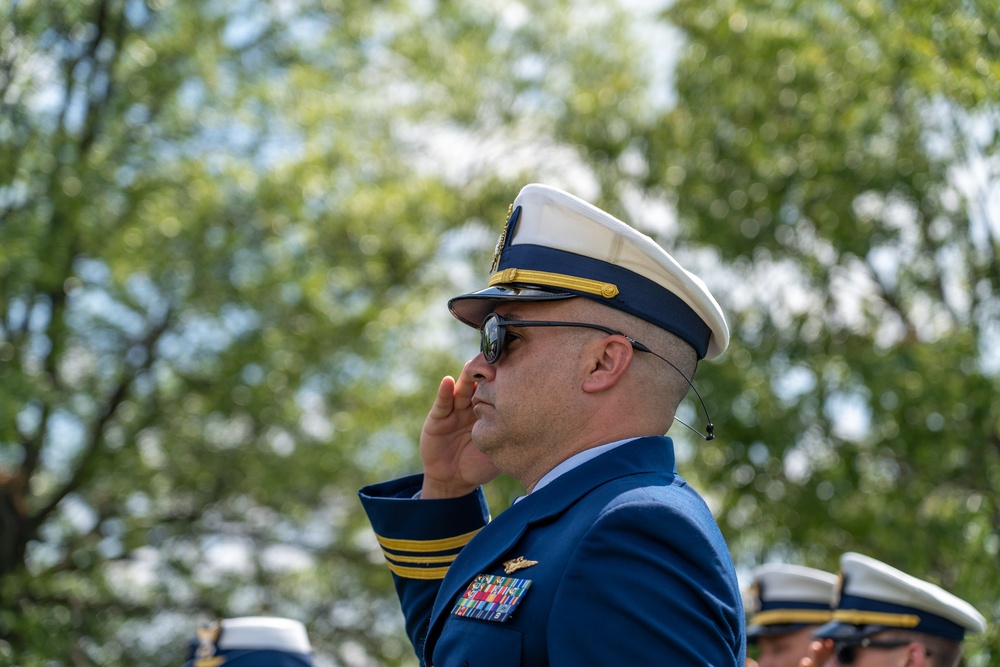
(873, 597)
(557, 246)
(270, 632)
(785, 598)
(252, 641)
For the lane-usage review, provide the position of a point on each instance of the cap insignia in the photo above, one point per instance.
(503, 238)
(754, 593)
(208, 637)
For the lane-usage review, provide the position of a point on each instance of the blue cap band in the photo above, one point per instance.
(258, 657)
(929, 623)
(637, 295)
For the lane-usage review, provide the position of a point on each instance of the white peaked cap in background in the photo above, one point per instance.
(784, 598)
(264, 632)
(874, 596)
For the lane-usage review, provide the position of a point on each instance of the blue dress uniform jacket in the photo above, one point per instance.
(622, 562)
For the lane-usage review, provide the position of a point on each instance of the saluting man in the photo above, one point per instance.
(590, 336)
(887, 618)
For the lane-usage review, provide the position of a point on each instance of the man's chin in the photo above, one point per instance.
(483, 436)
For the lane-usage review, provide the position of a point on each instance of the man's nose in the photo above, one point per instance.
(477, 369)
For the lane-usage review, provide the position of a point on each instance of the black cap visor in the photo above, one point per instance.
(473, 308)
(838, 630)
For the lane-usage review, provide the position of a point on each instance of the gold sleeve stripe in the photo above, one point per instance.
(425, 546)
(419, 572)
(859, 617)
(418, 559)
(607, 290)
(778, 616)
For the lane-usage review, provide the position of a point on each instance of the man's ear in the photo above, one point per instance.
(606, 361)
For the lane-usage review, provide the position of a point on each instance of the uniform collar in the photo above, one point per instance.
(577, 460)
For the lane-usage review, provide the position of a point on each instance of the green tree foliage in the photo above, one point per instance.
(221, 268)
(227, 230)
(842, 159)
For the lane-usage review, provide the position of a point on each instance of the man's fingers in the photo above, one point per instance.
(465, 387)
(444, 402)
(818, 653)
(453, 396)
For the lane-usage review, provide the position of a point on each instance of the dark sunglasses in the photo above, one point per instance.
(493, 334)
(847, 651)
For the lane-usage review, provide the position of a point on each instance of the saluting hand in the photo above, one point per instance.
(819, 652)
(453, 465)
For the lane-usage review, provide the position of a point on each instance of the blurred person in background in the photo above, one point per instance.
(251, 641)
(886, 618)
(785, 605)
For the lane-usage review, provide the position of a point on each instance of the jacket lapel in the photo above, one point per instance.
(477, 556)
(499, 536)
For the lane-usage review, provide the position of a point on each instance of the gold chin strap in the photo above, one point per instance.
(781, 616)
(859, 617)
(546, 279)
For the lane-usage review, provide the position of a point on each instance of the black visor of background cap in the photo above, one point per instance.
(874, 597)
(784, 598)
(251, 641)
(557, 246)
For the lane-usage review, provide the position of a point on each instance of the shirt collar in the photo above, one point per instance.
(577, 460)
